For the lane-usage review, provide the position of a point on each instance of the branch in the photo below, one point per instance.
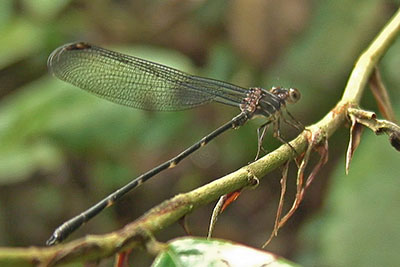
(140, 231)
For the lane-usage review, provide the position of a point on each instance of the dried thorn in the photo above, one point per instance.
(214, 216)
(183, 222)
(355, 137)
(323, 152)
(280, 205)
(381, 95)
(122, 259)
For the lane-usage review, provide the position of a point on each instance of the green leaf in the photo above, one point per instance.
(202, 252)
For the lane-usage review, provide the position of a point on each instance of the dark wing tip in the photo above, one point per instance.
(55, 55)
(77, 46)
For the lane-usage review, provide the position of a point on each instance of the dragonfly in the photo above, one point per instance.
(142, 84)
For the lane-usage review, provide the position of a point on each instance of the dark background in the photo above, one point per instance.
(62, 149)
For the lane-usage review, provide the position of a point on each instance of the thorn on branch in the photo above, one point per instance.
(368, 119)
(225, 200)
(381, 95)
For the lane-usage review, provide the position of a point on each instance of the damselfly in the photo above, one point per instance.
(142, 84)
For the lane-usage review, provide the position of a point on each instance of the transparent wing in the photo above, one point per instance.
(136, 82)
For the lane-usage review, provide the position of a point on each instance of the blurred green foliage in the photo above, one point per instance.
(62, 150)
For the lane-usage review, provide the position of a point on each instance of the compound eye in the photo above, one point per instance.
(294, 95)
